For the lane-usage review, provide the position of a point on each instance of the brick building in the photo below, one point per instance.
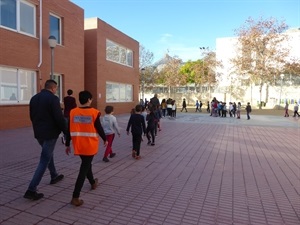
(25, 58)
(111, 66)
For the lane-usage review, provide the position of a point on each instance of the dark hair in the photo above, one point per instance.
(69, 92)
(132, 111)
(84, 96)
(138, 108)
(50, 84)
(109, 109)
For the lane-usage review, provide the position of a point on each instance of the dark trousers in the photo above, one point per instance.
(84, 172)
(164, 112)
(150, 134)
(169, 110)
(224, 113)
(248, 115)
(173, 113)
(136, 143)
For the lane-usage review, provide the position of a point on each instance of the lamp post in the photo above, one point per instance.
(143, 82)
(281, 76)
(52, 43)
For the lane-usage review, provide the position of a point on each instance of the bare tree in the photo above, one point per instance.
(261, 52)
(146, 71)
(145, 57)
(169, 74)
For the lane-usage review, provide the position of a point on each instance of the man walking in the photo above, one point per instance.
(48, 122)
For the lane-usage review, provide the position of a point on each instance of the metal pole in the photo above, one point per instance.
(52, 64)
(280, 94)
(281, 76)
(143, 83)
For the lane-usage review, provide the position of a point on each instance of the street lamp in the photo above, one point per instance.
(143, 82)
(281, 76)
(52, 43)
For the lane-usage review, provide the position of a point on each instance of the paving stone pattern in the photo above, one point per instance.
(202, 170)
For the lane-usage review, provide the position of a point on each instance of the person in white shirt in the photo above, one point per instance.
(110, 127)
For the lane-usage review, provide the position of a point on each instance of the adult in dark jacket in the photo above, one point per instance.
(155, 101)
(48, 122)
(69, 104)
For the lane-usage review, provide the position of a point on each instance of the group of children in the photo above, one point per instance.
(137, 124)
(85, 125)
(219, 108)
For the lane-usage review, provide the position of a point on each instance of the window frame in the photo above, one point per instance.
(18, 85)
(118, 53)
(119, 92)
(51, 33)
(18, 18)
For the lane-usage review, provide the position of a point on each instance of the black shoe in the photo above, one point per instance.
(152, 144)
(149, 142)
(105, 159)
(57, 179)
(33, 195)
(112, 155)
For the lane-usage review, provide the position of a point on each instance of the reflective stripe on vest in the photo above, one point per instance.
(83, 134)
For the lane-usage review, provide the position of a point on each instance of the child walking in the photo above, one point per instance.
(150, 130)
(248, 110)
(137, 125)
(84, 129)
(110, 127)
(238, 110)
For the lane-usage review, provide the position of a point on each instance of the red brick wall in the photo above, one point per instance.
(98, 70)
(21, 51)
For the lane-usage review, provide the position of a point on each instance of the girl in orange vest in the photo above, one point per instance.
(85, 129)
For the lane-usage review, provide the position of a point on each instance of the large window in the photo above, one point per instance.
(16, 85)
(118, 92)
(55, 27)
(18, 15)
(118, 54)
(58, 79)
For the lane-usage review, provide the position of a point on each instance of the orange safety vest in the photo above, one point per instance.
(84, 135)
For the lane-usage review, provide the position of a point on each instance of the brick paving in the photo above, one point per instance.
(202, 170)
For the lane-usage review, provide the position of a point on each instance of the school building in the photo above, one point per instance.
(88, 55)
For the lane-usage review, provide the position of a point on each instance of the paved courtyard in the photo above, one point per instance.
(202, 170)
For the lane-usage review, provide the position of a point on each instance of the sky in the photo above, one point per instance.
(181, 27)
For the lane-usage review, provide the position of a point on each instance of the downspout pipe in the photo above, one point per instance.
(41, 39)
(41, 42)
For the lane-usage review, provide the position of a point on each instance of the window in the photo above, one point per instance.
(55, 27)
(58, 79)
(118, 54)
(16, 86)
(18, 15)
(117, 92)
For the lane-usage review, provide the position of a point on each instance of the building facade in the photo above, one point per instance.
(27, 61)
(111, 66)
(25, 55)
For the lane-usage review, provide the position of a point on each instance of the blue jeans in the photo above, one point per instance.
(46, 160)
